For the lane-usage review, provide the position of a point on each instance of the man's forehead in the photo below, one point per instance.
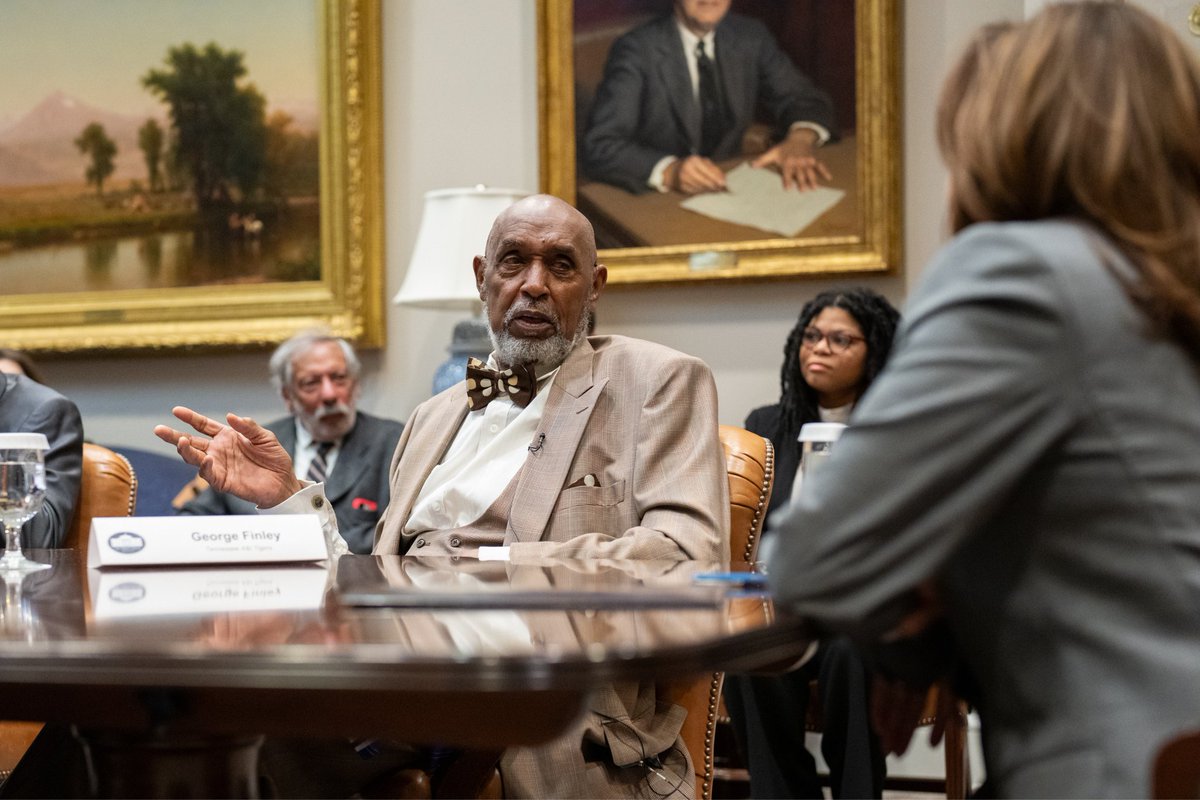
(526, 233)
(319, 356)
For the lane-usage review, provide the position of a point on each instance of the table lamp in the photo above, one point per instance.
(454, 228)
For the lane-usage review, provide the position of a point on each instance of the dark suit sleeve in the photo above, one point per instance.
(208, 502)
(786, 93)
(58, 419)
(616, 149)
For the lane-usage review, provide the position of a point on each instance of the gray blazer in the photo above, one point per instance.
(1035, 449)
(645, 108)
(357, 488)
(29, 407)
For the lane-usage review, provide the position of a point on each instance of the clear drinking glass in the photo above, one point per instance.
(816, 446)
(22, 490)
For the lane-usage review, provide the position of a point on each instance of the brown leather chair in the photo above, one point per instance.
(1177, 768)
(108, 489)
(750, 462)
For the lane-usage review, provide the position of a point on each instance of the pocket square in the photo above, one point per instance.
(363, 504)
(586, 480)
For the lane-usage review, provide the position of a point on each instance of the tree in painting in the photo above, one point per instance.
(95, 143)
(151, 141)
(218, 122)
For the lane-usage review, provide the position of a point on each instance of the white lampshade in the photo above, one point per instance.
(454, 229)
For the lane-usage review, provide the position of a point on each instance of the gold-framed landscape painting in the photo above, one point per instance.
(189, 173)
(596, 111)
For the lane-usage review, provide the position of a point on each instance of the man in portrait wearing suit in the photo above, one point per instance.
(29, 407)
(562, 445)
(326, 436)
(679, 92)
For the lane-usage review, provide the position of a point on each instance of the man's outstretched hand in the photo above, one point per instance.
(241, 458)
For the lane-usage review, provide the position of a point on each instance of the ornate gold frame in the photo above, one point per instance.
(874, 248)
(347, 298)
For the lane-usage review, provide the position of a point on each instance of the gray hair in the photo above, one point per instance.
(280, 365)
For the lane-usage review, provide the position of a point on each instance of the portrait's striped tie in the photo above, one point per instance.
(316, 470)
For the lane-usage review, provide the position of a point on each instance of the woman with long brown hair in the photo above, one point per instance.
(1030, 457)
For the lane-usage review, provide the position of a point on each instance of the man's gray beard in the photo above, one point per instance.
(543, 354)
(327, 430)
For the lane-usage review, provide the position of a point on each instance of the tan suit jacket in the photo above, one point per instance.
(639, 417)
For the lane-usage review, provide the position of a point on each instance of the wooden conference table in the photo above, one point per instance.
(159, 666)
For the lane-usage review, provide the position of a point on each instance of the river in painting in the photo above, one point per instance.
(286, 248)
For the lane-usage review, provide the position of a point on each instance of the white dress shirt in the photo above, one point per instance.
(306, 448)
(490, 446)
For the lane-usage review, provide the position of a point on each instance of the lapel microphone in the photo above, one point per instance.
(533, 448)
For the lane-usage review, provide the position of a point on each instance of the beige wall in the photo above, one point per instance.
(460, 108)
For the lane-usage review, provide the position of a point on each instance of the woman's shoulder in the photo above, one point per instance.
(764, 420)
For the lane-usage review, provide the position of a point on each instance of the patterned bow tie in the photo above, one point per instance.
(485, 385)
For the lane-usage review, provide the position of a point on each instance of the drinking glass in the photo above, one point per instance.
(22, 490)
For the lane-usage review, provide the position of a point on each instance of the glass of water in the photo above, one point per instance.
(22, 490)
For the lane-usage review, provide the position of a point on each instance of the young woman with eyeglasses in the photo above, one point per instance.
(839, 344)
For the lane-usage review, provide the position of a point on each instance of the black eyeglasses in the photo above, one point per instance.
(839, 341)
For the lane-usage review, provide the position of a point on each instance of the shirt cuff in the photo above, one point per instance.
(656, 175)
(311, 500)
(820, 130)
(308, 500)
(493, 553)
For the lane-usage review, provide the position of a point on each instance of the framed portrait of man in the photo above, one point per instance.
(725, 139)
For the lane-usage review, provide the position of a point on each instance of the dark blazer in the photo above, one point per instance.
(765, 421)
(357, 488)
(1032, 447)
(645, 109)
(27, 406)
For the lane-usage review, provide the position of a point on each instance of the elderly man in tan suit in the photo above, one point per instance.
(562, 445)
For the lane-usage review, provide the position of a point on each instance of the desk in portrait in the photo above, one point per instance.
(654, 219)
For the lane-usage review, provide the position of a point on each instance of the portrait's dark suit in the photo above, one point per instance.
(357, 488)
(645, 108)
(1031, 447)
(27, 406)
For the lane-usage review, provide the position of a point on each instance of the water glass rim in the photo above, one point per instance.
(24, 441)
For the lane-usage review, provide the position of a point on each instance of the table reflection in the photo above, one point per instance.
(375, 615)
(476, 654)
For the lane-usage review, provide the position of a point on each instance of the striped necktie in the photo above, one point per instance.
(317, 469)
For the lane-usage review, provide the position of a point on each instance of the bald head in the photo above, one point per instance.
(547, 210)
(539, 280)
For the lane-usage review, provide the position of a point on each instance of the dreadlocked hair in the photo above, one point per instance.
(878, 319)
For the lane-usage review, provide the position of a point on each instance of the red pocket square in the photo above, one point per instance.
(363, 504)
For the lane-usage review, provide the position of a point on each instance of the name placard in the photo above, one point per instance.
(125, 594)
(248, 539)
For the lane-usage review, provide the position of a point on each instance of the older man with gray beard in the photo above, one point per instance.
(327, 437)
(561, 445)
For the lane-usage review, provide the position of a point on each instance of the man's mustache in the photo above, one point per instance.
(329, 411)
(540, 307)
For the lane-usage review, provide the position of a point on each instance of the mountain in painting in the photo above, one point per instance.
(40, 146)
